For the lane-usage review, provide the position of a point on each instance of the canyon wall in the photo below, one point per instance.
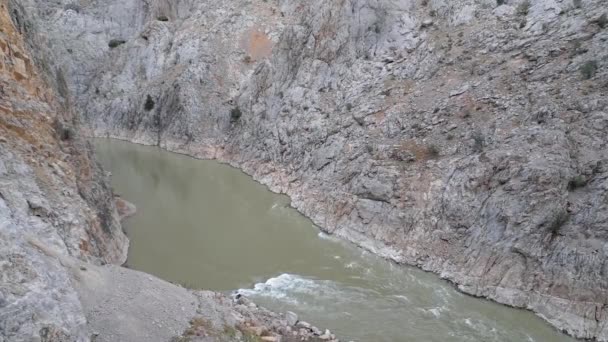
(60, 237)
(465, 137)
(53, 197)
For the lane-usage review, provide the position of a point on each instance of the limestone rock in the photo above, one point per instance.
(311, 97)
(292, 318)
(59, 224)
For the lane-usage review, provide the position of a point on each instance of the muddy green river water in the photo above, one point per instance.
(207, 225)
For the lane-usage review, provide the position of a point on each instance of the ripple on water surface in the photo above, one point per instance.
(207, 225)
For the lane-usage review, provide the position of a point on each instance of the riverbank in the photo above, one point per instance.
(139, 307)
(123, 161)
(121, 304)
(192, 214)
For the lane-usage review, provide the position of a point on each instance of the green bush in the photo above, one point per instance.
(557, 221)
(523, 8)
(235, 114)
(501, 2)
(577, 182)
(432, 151)
(63, 131)
(116, 43)
(602, 21)
(479, 141)
(162, 18)
(73, 7)
(577, 3)
(588, 69)
(149, 104)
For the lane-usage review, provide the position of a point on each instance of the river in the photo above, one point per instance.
(207, 225)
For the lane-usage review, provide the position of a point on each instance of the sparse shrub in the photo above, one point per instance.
(557, 221)
(63, 131)
(67, 133)
(577, 3)
(501, 2)
(479, 141)
(231, 332)
(149, 104)
(198, 326)
(577, 182)
(541, 116)
(425, 3)
(602, 21)
(247, 59)
(114, 43)
(588, 69)
(433, 151)
(523, 23)
(523, 8)
(62, 84)
(235, 114)
(349, 106)
(162, 18)
(577, 48)
(72, 7)
(402, 153)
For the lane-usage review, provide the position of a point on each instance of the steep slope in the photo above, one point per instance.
(52, 193)
(60, 232)
(465, 137)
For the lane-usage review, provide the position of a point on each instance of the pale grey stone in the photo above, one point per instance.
(317, 116)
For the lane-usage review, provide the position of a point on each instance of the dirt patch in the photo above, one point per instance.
(256, 44)
(419, 151)
(125, 209)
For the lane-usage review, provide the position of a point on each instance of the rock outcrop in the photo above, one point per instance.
(52, 193)
(465, 137)
(60, 235)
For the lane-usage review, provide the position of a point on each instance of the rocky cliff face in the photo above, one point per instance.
(52, 194)
(60, 234)
(465, 137)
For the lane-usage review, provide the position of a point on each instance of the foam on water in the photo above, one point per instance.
(402, 297)
(468, 322)
(351, 265)
(436, 311)
(289, 287)
(314, 294)
(325, 236)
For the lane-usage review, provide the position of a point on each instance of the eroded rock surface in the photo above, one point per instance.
(464, 137)
(51, 190)
(60, 231)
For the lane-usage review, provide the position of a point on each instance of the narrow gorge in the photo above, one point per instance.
(467, 138)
